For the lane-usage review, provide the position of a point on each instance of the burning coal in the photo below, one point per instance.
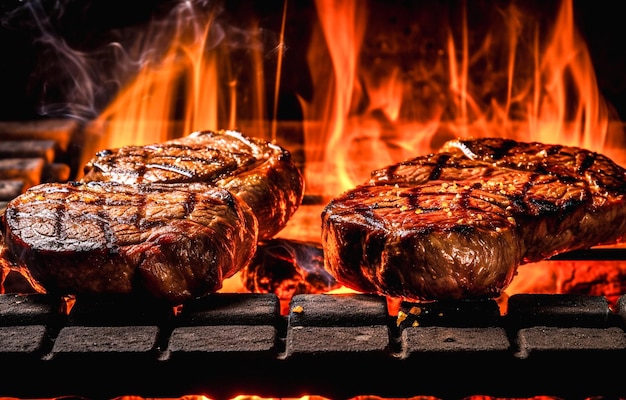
(286, 268)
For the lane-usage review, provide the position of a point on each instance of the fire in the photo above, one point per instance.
(25, 281)
(507, 79)
(585, 277)
(389, 81)
(287, 268)
(379, 97)
(309, 397)
(186, 81)
(173, 59)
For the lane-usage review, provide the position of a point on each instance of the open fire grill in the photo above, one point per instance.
(336, 346)
(561, 330)
(332, 345)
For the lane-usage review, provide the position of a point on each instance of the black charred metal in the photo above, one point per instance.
(226, 345)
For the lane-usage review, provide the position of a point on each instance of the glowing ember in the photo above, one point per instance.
(67, 304)
(586, 277)
(286, 268)
(22, 281)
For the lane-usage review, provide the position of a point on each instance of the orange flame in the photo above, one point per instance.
(513, 81)
(7, 267)
(187, 82)
(389, 83)
(380, 95)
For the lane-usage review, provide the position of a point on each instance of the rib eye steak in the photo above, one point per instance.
(457, 224)
(173, 241)
(261, 173)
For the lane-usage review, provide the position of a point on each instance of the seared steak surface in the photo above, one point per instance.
(456, 224)
(175, 241)
(261, 173)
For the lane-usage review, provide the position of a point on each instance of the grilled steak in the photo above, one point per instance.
(456, 224)
(175, 241)
(259, 172)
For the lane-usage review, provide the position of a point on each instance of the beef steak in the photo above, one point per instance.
(173, 241)
(261, 173)
(457, 223)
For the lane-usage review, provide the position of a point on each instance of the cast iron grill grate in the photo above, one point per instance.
(232, 344)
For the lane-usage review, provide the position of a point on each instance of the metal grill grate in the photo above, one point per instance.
(336, 346)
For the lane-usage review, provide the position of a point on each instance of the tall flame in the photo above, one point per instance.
(509, 79)
(390, 81)
(188, 80)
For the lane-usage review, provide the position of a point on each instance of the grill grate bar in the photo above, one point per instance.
(311, 350)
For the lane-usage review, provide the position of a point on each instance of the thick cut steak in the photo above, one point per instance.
(261, 173)
(456, 224)
(175, 241)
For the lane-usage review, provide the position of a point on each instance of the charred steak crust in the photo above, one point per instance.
(457, 223)
(261, 173)
(420, 242)
(175, 241)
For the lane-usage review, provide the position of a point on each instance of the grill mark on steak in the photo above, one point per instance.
(259, 172)
(436, 172)
(588, 161)
(172, 219)
(476, 211)
(567, 163)
(174, 241)
(168, 162)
